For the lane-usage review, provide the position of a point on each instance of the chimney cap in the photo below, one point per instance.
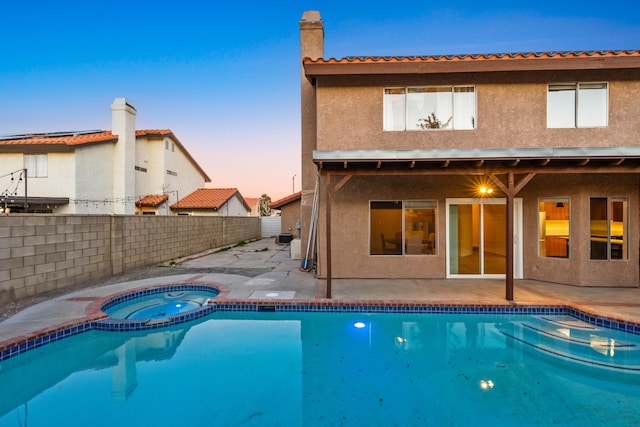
(311, 15)
(122, 103)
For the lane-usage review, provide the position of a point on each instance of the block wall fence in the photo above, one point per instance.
(45, 253)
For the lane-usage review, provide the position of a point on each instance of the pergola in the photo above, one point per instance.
(509, 169)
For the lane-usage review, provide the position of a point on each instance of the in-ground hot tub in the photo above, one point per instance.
(159, 303)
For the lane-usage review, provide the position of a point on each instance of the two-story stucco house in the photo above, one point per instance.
(522, 165)
(97, 172)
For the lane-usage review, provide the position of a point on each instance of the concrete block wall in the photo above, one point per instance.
(44, 253)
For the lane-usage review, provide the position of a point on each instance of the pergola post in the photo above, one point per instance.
(327, 207)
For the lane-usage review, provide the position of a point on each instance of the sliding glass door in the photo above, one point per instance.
(477, 236)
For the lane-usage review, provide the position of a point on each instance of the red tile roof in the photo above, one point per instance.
(251, 201)
(60, 138)
(75, 137)
(481, 57)
(208, 198)
(152, 200)
(490, 62)
(286, 200)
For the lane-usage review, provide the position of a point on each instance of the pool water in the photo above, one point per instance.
(331, 369)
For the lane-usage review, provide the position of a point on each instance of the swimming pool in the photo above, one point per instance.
(324, 369)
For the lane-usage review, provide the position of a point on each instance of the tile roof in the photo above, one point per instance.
(251, 201)
(481, 57)
(489, 62)
(60, 138)
(208, 198)
(152, 200)
(75, 137)
(286, 200)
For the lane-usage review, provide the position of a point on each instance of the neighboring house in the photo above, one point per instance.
(522, 165)
(156, 204)
(289, 208)
(212, 202)
(97, 172)
(254, 205)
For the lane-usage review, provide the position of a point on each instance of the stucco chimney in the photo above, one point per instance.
(123, 124)
(311, 46)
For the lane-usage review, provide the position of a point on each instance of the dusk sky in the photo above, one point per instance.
(224, 76)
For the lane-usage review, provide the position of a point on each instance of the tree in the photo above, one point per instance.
(264, 208)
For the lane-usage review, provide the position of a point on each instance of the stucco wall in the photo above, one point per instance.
(351, 228)
(290, 214)
(92, 181)
(511, 112)
(43, 253)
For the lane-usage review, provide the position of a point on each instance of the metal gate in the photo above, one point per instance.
(270, 226)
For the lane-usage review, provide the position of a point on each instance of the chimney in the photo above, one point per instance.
(123, 124)
(311, 35)
(311, 46)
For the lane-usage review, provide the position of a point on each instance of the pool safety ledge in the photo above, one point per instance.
(18, 345)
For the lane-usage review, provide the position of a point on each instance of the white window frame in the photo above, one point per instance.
(446, 123)
(577, 120)
(37, 165)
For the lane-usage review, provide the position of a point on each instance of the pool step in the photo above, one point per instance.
(576, 341)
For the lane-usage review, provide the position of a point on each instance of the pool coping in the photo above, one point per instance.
(95, 319)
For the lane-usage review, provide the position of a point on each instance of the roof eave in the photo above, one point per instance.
(420, 66)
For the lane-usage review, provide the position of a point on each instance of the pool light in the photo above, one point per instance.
(486, 384)
(359, 325)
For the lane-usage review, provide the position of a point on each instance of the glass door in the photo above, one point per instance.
(477, 236)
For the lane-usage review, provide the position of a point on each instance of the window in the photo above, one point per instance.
(608, 228)
(429, 108)
(141, 169)
(554, 228)
(36, 165)
(399, 228)
(172, 173)
(571, 105)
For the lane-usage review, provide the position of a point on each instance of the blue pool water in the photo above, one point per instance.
(331, 369)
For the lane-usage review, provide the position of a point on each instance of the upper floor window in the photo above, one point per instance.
(36, 165)
(429, 107)
(577, 105)
(608, 227)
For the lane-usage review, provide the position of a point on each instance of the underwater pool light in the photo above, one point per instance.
(359, 325)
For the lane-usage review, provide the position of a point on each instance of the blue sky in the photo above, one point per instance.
(225, 77)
